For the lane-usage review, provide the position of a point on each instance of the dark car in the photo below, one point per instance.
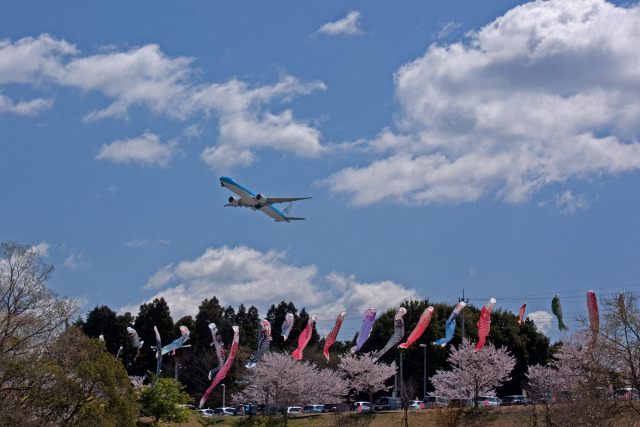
(515, 399)
(386, 404)
(335, 407)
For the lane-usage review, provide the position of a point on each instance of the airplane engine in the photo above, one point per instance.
(233, 201)
(261, 199)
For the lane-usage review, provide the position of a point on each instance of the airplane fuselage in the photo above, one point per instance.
(254, 201)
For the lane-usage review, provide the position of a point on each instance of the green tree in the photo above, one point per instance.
(104, 321)
(155, 313)
(84, 385)
(162, 401)
(276, 316)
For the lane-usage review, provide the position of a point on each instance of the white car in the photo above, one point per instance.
(294, 409)
(312, 409)
(226, 410)
(206, 413)
(489, 401)
(416, 404)
(362, 406)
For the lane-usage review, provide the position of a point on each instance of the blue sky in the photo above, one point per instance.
(485, 146)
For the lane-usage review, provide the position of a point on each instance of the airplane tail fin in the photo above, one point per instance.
(286, 210)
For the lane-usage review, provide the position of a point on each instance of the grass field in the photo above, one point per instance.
(494, 417)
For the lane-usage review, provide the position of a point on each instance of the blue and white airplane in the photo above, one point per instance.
(259, 201)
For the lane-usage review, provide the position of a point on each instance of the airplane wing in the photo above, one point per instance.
(272, 200)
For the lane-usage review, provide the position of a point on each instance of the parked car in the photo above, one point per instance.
(312, 409)
(434, 402)
(188, 406)
(386, 404)
(515, 399)
(247, 409)
(461, 403)
(335, 407)
(416, 404)
(206, 413)
(225, 410)
(489, 401)
(626, 393)
(294, 410)
(362, 406)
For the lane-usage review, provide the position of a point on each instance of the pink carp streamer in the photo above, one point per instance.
(225, 368)
(594, 317)
(484, 324)
(420, 327)
(304, 338)
(331, 338)
(287, 325)
(365, 329)
(522, 309)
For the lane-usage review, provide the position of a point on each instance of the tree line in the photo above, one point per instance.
(48, 347)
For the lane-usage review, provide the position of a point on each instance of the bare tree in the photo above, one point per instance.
(365, 375)
(31, 316)
(474, 373)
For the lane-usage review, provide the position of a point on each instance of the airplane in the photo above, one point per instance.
(259, 201)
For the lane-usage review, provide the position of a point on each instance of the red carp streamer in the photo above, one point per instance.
(420, 327)
(225, 368)
(594, 317)
(524, 306)
(484, 324)
(331, 338)
(304, 338)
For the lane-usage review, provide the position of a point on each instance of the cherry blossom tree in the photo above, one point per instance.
(284, 381)
(473, 373)
(364, 375)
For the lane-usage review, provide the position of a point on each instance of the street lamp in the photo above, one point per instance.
(224, 390)
(424, 372)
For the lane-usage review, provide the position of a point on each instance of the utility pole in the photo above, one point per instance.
(466, 302)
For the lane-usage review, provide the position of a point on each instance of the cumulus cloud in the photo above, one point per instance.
(542, 320)
(145, 76)
(242, 275)
(547, 92)
(348, 26)
(146, 149)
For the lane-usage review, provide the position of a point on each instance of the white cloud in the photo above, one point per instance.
(24, 108)
(42, 249)
(547, 92)
(568, 203)
(160, 278)
(145, 76)
(136, 243)
(349, 26)
(542, 320)
(242, 275)
(146, 149)
(76, 260)
(448, 28)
